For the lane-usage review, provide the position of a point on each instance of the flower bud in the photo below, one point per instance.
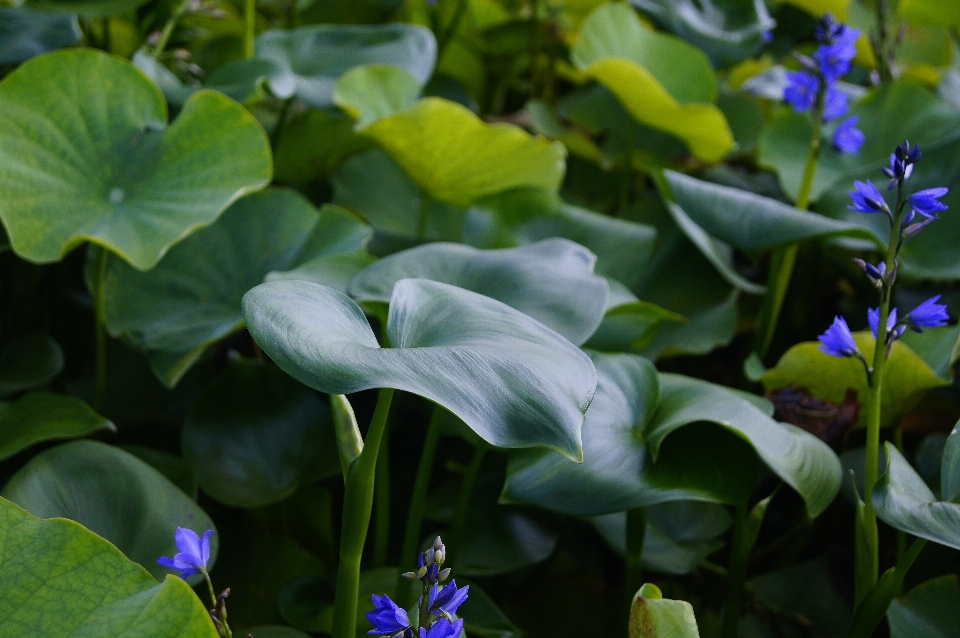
(444, 574)
(430, 556)
(410, 575)
(439, 556)
(422, 572)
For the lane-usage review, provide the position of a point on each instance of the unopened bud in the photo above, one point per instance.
(438, 544)
(409, 575)
(422, 572)
(439, 556)
(444, 574)
(430, 555)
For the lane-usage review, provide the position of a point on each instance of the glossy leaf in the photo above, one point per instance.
(535, 385)
(45, 416)
(29, 361)
(25, 33)
(375, 91)
(929, 610)
(653, 616)
(95, 590)
(551, 280)
(110, 171)
(905, 381)
(254, 435)
(455, 157)
(903, 501)
(192, 298)
(112, 493)
(311, 59)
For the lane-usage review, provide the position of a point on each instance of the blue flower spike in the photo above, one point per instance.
(838, 341)
(927, 202)
(801, 90)
(834, 104)
(929, 314)
(388, 618)
(876, 274)
(893, 331)
(443, 629)
(847, 138)
(194, 553)
(867, 199)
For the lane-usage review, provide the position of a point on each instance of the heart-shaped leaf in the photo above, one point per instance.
(511, 379)
(929, 610)
(192, 298)
(375, 91)
(903, 501)
(86, 154)
(255, 434)
(311, 59)
(29, 361)
(25, 33)
(551, 280)
(455, 157)
(95, 591)
(45, 416)
(112, 493)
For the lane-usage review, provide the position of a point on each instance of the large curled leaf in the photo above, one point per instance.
(29, 361)
(192, 298)
(86, 154)
(311, 59)
(929, 610)
(662, 81)
(61, 580)
(455, 157)
(905, 380)
(514, 381)
(255, 434)
(45, 416)
(25, 33)
(551, 280)
(112, 493)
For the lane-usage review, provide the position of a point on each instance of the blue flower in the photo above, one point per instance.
(834, 104)
(927, 202)
(801, 90)
(929, 314)
(847, 138)
(443, 629)
(867, 199)
(873, 318)
(829, 31)
(388, 618)
(838, 341)
(835, 59)
(900, 169)
(446, 601)
(194, 552)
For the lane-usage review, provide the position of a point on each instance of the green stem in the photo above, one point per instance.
(736, 573)
(281, 123)
(250, 25)
(783, 260)
(636, 531)
(381, 495)
(357, 508)
(418, 503)
(213, 601)
(100, 319)
(168, 28)
(463, 502)
(446, 36)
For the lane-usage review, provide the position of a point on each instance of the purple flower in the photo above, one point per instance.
(801, 90)
(834, 104)
(838, 341)
(867, 199)
(446, 601)
(194, 552)
(873, 318)
(929, 314)
(443, 629)
(767, 37)
(388, 618)
(847, 138)
(829, 31)
(900, 169)
(835, 59)
(927, 202)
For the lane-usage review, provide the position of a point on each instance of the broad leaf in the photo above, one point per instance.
(255, 434)
(311, 59)
(939, 348)
(455, 157)
(929, 610)
(59, 565)
(511, 379)
(375, 91)
(551, 280)
(114, 494)
(108, 169)
(192, 298)
(905, 379)
(29, 361)
(653, 616)
(662, 81)
(314, 144)
(944, 14)
(903, 501)
(45, 416)
(241, 79)
(25, 33)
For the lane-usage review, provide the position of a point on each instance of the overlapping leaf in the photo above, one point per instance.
(25, 33)
(45, 416)
(29, 361)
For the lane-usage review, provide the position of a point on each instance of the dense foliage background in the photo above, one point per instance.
(625, 173)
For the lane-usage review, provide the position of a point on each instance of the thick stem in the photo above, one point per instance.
(636, 531)
(418, 503)
(736, 573)
(381, 495)
(250, 27)
(357, 508)
(100, 319)
(463, 502)
(168, 28)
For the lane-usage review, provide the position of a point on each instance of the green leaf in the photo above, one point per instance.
(254, 435)
(449, 345)
(92, 8)
(551, 280)
(455, 157)
(950, 467)
(630, 326)
(374, 91)
(192, 298)
(905, 380)
(176, 468)
(25, 33)
(112, 493)
(662, 81)
(274, 631)
(45, 416)
(807, 590)
(311, 59)
(314, 144)
(945, 14)
(903, 501)
(653, 616)
(483, 618)
(241, 79)
(62, 580)
(939, 348)
(29, 361)
(108, 169)
(929, 610)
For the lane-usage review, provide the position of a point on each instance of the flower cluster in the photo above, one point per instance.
(908, 217)
(815, 87)
(438, 605)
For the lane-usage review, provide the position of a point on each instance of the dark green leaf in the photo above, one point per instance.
(374, 91)
(44, 416)
(653, 616)
(950, 467)
(25, 33)
(29, 361)
(929, 610)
